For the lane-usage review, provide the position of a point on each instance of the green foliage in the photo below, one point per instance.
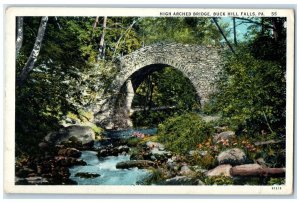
(98, 131)
(276, 181)
(252, 86)
(207, 161)
(164, 88)
(73, 116)
(181, 134)
(273, 154)
(150, 118)
(218, 180)
(68, 74)
(170, 88)
(252, 93)
(182, 30)
(85, 115)
(156, 177)
(133, 142)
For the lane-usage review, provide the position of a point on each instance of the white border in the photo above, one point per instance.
(9, 144)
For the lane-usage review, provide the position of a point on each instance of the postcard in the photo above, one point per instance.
(149, 101)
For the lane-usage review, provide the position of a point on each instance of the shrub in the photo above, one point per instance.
(276, 181)
(181, 134)
(207, 161)
(218, 180)
(133, 141)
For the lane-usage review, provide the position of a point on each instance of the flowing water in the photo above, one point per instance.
(106, 167)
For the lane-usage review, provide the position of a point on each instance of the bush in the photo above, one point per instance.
(218, 180)
(251, 94)
(207, 161)
(181, 134)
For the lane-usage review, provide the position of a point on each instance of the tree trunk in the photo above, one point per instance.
(262, 21)
(20, 32)
(151, 87)
(34, 53)
(248, 171)
(96, 22)
(102, 40)
(234, 32)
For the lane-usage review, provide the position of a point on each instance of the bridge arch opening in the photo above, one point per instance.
(153, 93)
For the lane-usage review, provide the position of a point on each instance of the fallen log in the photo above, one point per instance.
(256, 170)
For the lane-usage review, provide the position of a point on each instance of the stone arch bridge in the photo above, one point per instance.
(200, 64)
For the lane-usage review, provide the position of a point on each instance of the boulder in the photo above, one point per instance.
(75, 134)
(135, 163)
(222, 170)
(36, 180)
(31, 181)
(59, 175)
(198, 169)
(157, 145)
(227, 135)
(69, 152)
(113, 151)
(159, 155)
(180, 180)
(43, 145)
(83, 134)
(69, 161)
(172, 164)
(23, 172)
(87, 175)
(233, 156)
(185, 170)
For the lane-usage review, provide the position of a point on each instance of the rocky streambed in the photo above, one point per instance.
(133, 158)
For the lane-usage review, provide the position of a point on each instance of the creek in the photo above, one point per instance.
(106, 166)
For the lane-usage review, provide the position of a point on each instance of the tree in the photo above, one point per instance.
(34, 53)
(180, 30)
(251, 90)
(234, 31)
(101, 44)
(19, 41)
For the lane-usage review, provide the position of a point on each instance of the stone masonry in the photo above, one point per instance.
(197, 62)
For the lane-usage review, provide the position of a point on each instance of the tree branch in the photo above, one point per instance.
(118, 42)
(268, 124)
(59, 27)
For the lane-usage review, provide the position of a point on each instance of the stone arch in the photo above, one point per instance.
(200, 64)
